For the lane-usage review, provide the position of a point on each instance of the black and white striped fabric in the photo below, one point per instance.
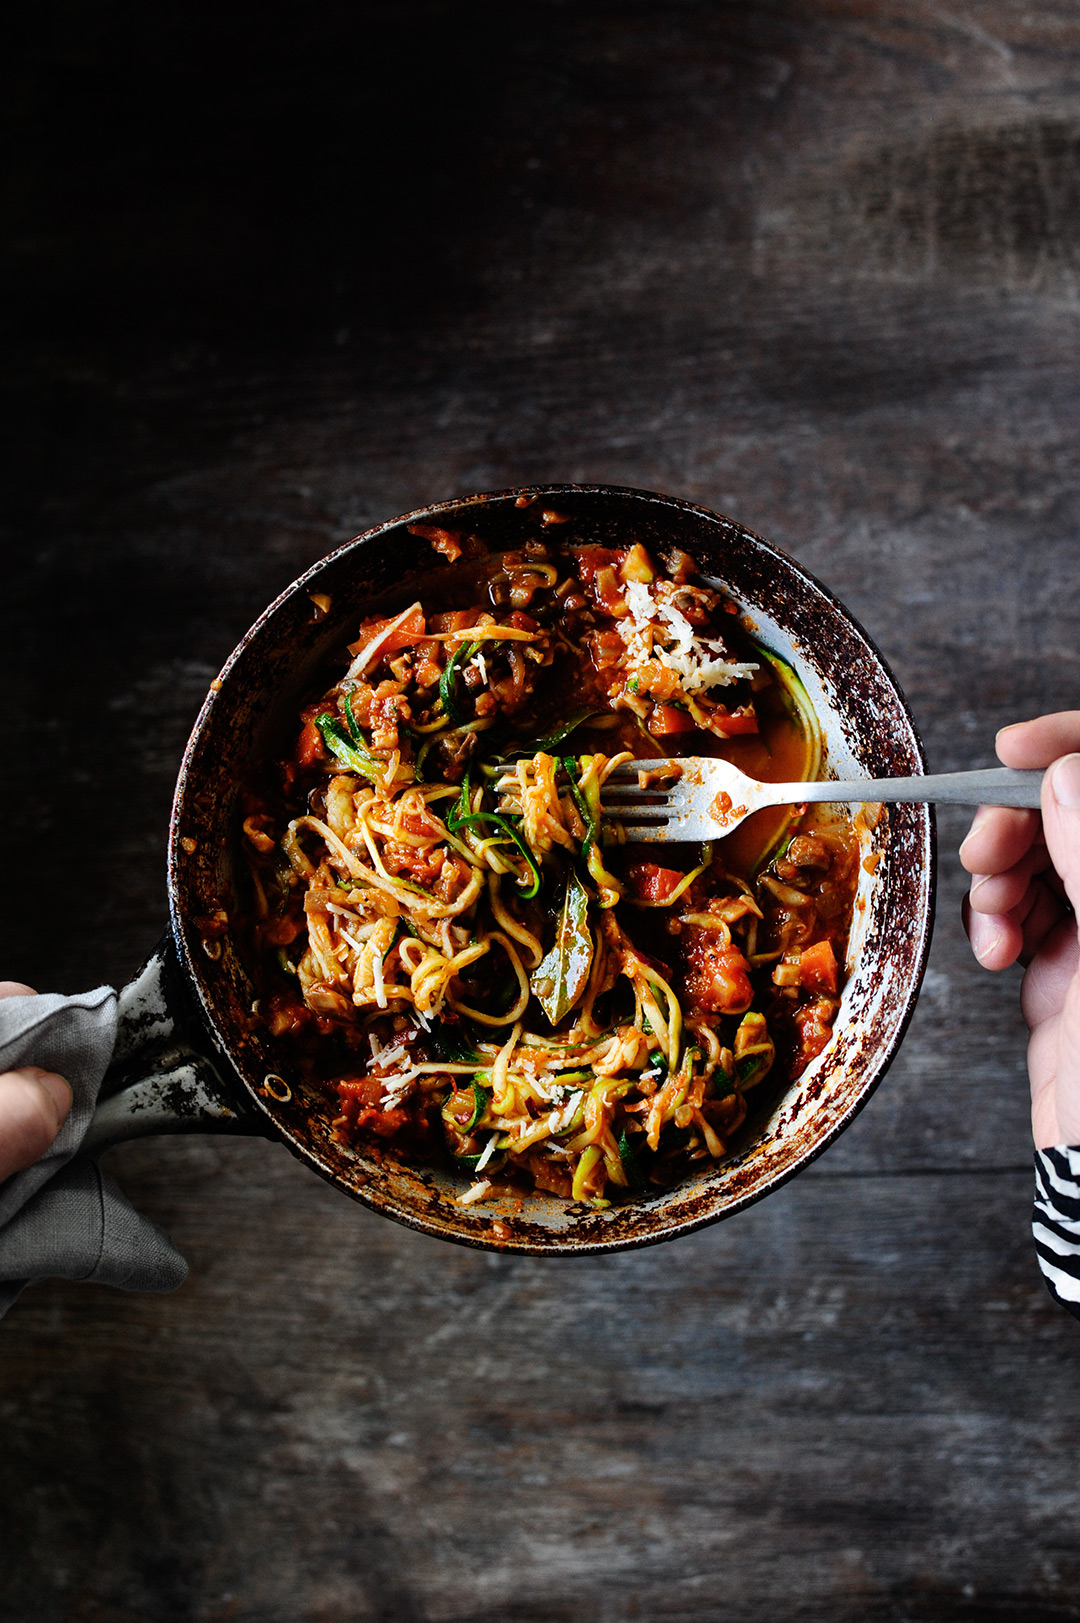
(1055, 1222)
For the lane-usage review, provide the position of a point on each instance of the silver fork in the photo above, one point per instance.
(709, 798)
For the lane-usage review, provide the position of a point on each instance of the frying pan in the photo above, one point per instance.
(191, 1056)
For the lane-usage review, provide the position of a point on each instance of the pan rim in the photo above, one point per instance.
(561, 1244)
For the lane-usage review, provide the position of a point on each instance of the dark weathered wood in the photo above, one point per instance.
(854, 1401)
(815, 265)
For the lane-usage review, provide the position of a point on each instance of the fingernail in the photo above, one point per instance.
(1065, 781)
(1008, 729)
(978, 880)
(979, 819)
(58, 1092)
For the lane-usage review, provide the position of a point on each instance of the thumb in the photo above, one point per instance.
(1054, 1066)
(1061, 822)
(33, 1107)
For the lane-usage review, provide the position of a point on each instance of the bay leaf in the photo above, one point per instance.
(562, 976)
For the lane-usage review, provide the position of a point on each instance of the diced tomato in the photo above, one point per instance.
(817, 968)
(357, 1091)
(359, 1096)
(383, 1123)
(657, 680)
(411, 629)
(598, 570)
(652, 883)
(667, 719)
(814, 1025)
(607, 589)
(730, 723)
(592, 559)
(717, 976)
(427, 669)
(310, 748)
(418, 820)
(453, 620)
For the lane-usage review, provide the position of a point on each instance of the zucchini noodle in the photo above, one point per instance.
(455, 936)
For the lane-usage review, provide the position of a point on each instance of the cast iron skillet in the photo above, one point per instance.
(191, 1057)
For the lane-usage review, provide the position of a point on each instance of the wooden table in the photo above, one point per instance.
(815, 265)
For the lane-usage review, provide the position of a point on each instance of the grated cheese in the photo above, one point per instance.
(487, 1152)
(478, 1192)
(675, 645)
(566, 1114)
(396, 1087)
(385, 1057)
(681, 629)
(639, 600)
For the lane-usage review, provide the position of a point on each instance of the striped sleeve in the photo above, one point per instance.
(1055, 1223)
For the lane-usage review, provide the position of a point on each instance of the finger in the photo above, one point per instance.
(1047, 980)
(16, 989)
(996, 939)
(33, 1107)
(998, 839)
(1061, 822)
(1037, 743)
(1040, 913)
(1001, 892)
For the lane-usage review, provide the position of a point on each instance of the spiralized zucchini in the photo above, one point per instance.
(465, 946)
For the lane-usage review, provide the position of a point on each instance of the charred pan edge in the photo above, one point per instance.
(288, 640)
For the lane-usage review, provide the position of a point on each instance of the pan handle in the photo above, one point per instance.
(158, 1081)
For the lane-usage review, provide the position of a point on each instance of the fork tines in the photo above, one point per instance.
(658, 810)
(669, 769)
(651, 810)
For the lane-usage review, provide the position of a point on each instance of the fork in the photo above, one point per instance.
(708, 798)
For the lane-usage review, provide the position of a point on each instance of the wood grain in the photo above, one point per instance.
(815, 265)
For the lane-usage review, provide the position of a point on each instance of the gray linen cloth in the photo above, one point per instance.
(65, 1218)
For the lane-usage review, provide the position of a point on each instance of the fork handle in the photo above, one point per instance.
(989, 786)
